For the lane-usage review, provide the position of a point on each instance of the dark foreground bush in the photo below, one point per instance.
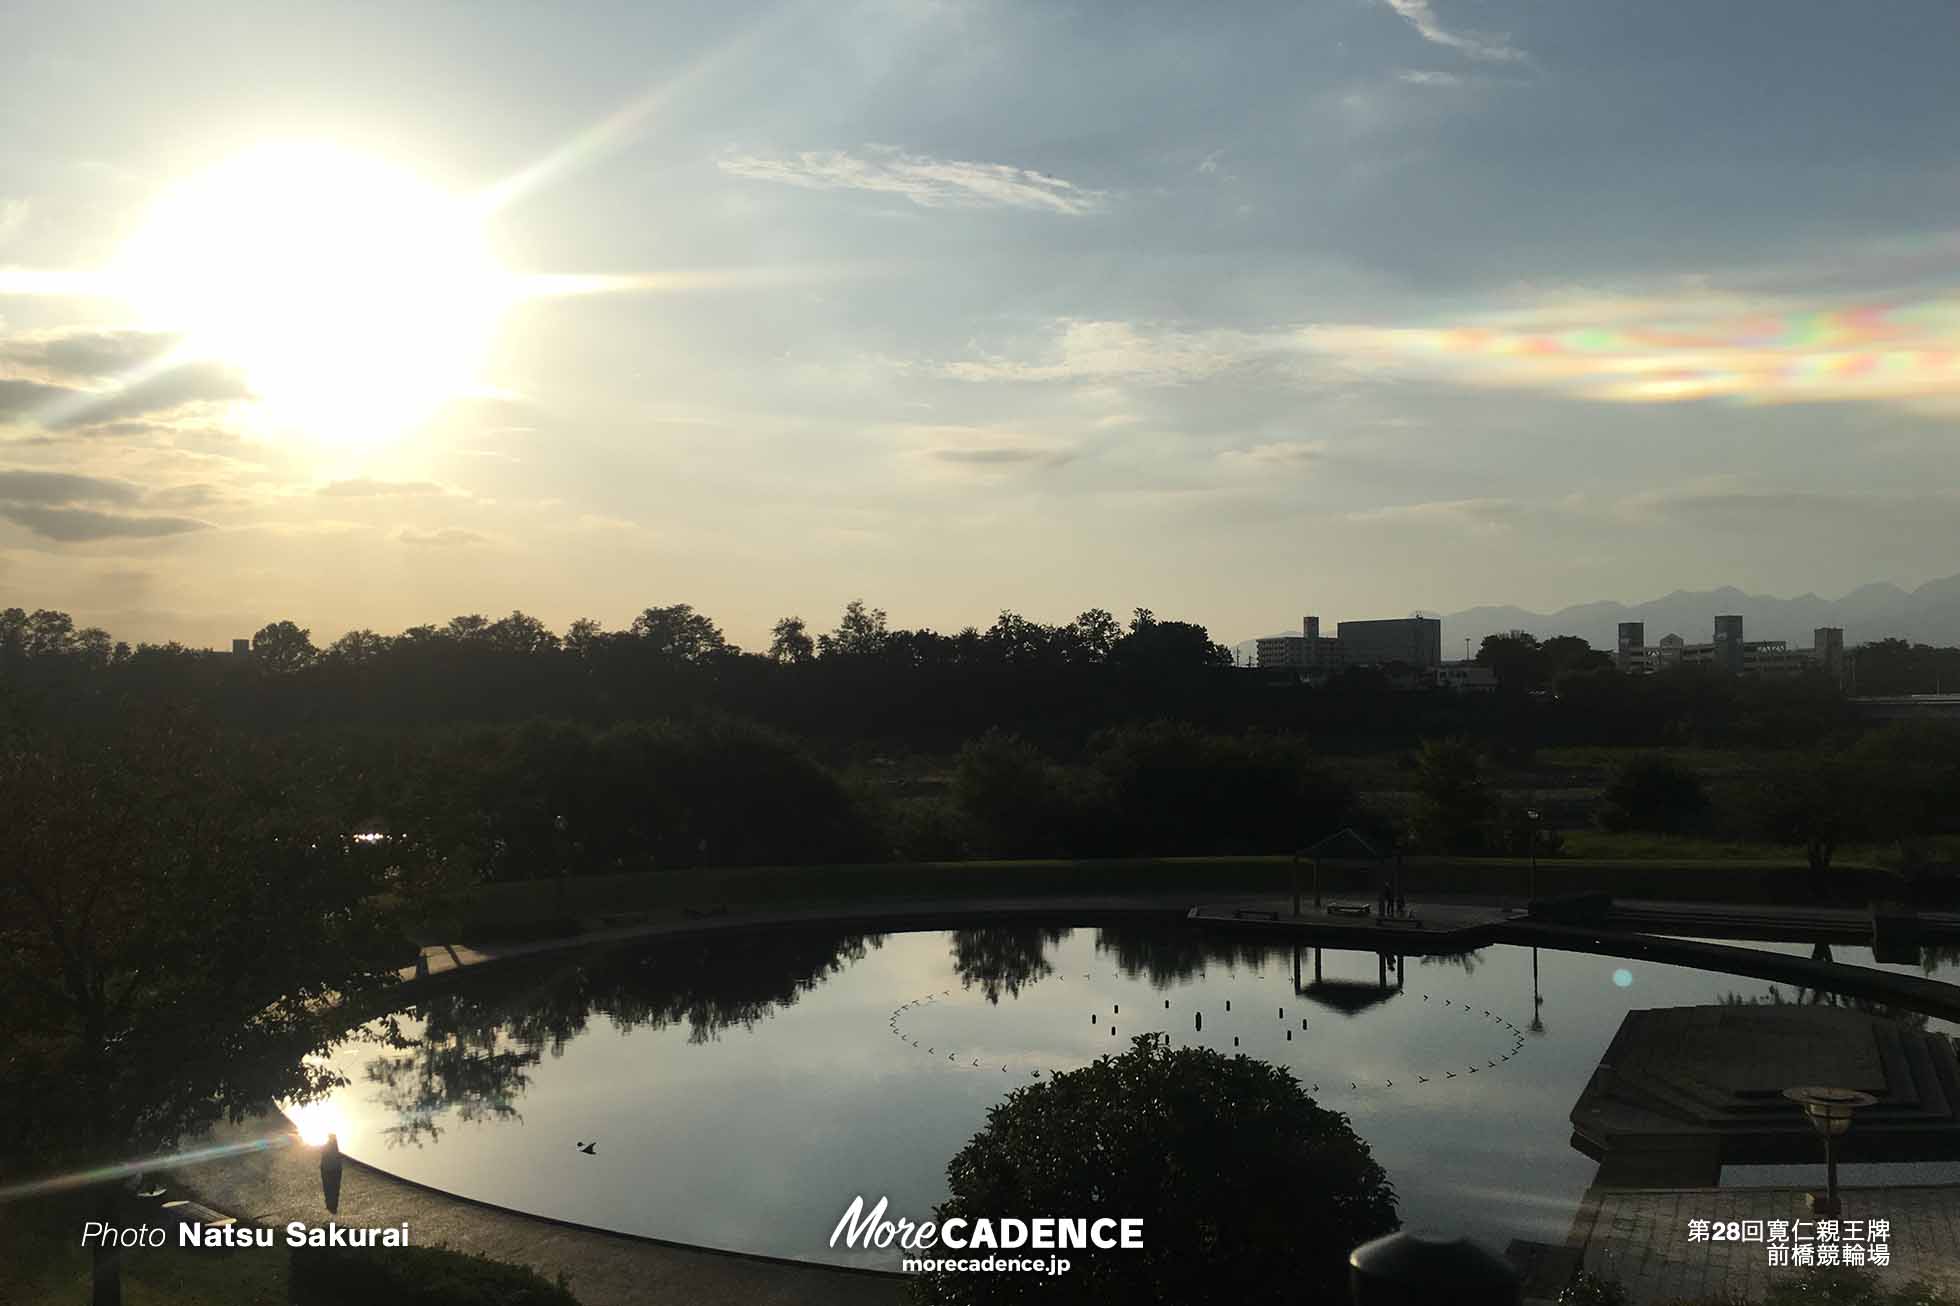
(416, 1276)
(1248, 1191)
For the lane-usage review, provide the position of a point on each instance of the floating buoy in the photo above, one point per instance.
(1289, 1036)
(1228, 1004)
(1303, 1022)
(1235, 1040)
(1201, 1022)
(1167, 1004)
(1116, 1011)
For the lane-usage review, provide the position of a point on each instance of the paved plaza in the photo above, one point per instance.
(1641, 1237)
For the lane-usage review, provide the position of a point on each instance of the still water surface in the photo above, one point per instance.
(740, 1091)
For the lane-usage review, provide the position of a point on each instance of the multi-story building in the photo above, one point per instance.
(1417, 641)
(1729, 651)
(1630, 652)
(1307, 651)
(1827, 648)
(1465, 678)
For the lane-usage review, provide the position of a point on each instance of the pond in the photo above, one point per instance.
(738, 1091)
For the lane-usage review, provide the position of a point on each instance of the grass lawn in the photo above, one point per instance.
(42, 1262)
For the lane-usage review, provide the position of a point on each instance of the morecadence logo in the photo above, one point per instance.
(871, 1229)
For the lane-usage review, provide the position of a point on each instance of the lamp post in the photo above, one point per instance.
(1829, 1111)
(1531, 815)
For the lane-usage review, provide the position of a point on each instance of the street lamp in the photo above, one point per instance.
(1829, 1111)
(1531, 814)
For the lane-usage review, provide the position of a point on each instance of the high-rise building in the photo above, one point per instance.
(1728, 643)
(1630, 654)
(1827, 647)
(1417, 641)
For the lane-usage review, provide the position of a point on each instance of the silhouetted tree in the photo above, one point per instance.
(1452, 801)
(680, 634)
(860, 633)
(284, 647)
(789, 641)
(178, 915)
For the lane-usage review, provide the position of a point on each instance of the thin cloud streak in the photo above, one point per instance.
(1475, 45)
(927, 182)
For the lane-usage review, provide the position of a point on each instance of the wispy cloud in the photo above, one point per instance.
(447, 537)
(1475, 45)
(55, 505)
(1275, 455)
(1144, 353)
(1483, 516)
(927, 182)
(1428, 77)
(364, 487)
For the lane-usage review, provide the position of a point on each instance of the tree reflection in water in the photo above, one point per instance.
(1172, 956)
(477, 1042)
(1004, 958)
(1903, 1016)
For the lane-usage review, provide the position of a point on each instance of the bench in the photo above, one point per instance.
(1348, 909)
(1244, 912)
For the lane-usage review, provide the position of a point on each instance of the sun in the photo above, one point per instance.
(354, 297)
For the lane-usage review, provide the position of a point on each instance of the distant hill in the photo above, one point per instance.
(1928, 615)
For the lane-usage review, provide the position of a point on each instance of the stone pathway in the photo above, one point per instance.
(281, 1183)
(1641, 1237)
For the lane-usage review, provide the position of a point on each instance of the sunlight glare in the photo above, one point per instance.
(314, 1121)
(354, 297)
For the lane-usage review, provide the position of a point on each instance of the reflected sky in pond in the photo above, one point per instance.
(742, 1089)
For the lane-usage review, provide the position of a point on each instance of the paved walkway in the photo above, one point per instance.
(281, 1183)
(1640, 1237)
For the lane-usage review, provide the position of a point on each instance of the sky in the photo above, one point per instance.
(1352, 307)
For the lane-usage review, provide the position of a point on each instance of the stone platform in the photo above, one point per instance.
(1351, 923)
(1681, 1091)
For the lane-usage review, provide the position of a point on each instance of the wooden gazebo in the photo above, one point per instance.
(1344, 843)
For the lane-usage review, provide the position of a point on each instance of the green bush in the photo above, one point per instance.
(1021, 804)
(1653, 792)
(416, 1276)
(1181, 792)
(1196, 1145)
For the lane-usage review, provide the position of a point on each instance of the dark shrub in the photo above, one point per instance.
(1181, 792)
(1654, 792)
(416, 1276)
(1201, 1147)
(1021, 804)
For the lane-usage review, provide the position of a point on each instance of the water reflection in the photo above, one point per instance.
(746, 1087)
(1003, 959)
(472, 1050)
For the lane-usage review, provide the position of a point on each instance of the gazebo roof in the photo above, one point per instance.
(1350, 997)
(1344, 842)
